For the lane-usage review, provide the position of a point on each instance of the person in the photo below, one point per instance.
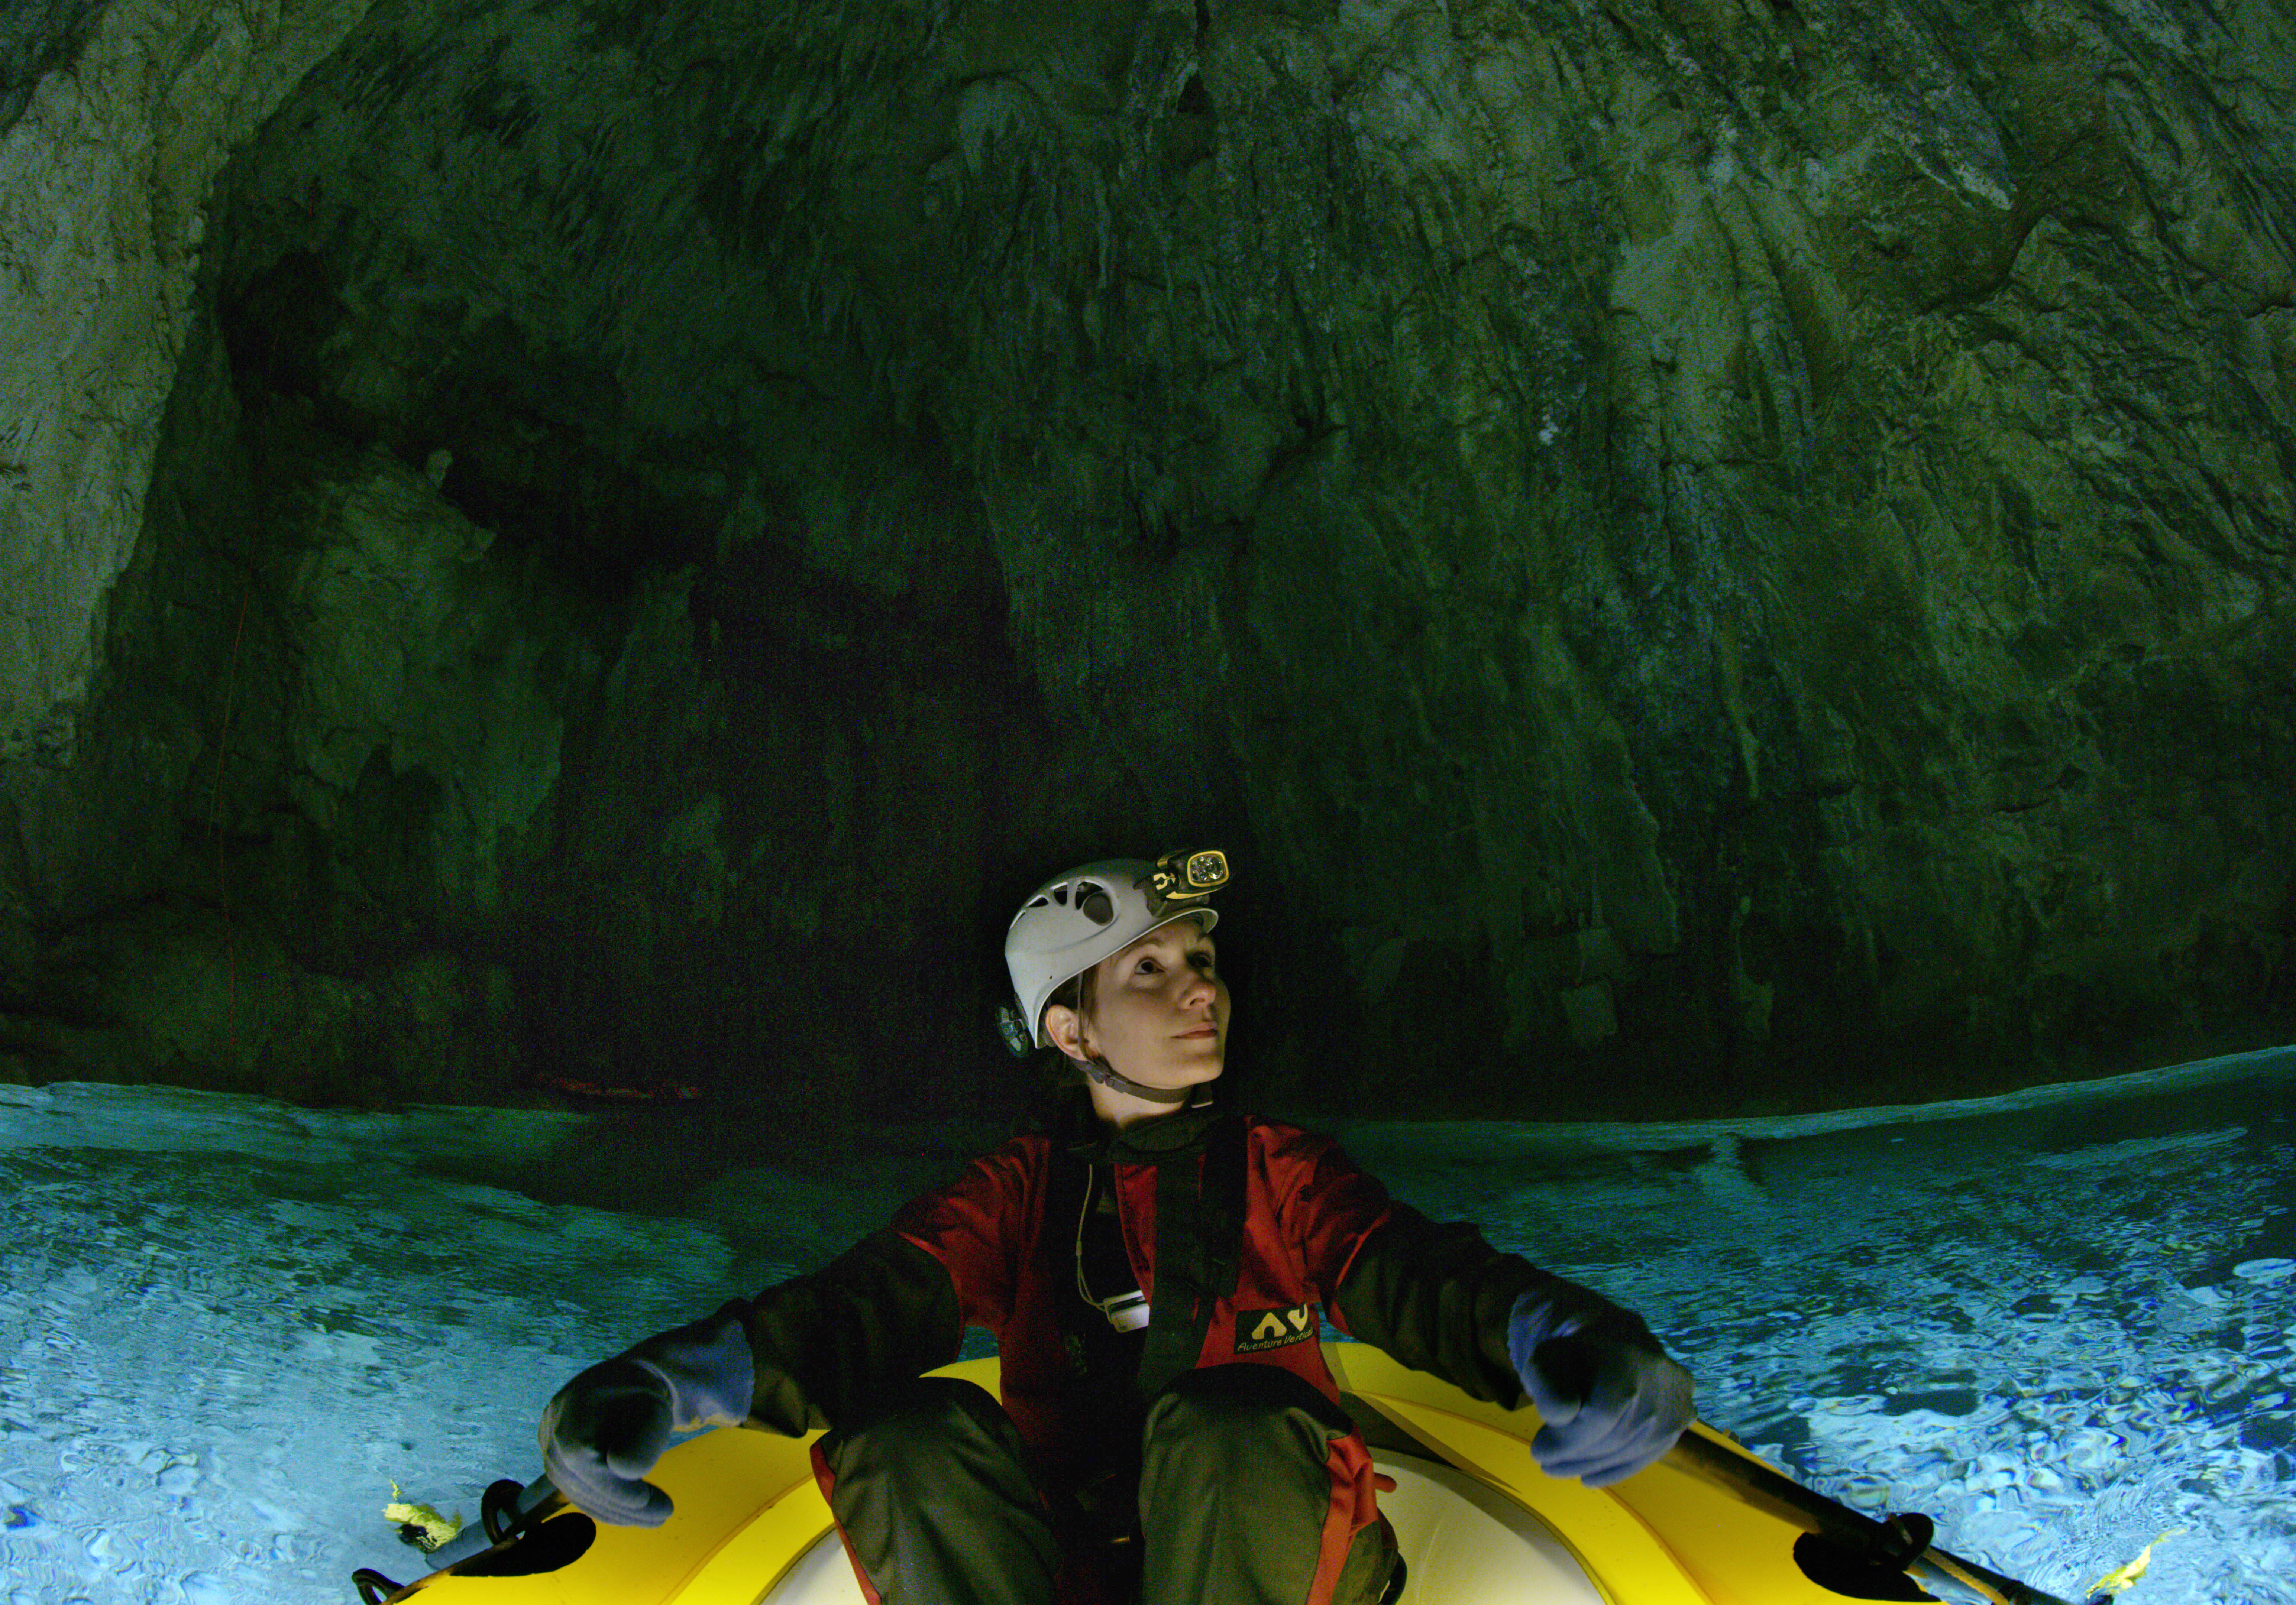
(1154, 1267)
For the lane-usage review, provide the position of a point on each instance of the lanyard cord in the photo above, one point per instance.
(1126, 1312)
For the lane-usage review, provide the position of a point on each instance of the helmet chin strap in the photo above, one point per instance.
(1107, 1075)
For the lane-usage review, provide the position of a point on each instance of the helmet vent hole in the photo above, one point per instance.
(1096, 905)
(1061, 895)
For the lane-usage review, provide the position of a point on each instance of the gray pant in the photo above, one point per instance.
(1254, 1491)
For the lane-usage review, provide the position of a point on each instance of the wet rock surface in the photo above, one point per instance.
(1698, 555)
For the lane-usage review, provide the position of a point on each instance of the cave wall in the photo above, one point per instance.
(1700, 554)
(114, 121)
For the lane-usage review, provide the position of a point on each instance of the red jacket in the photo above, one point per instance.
(1315, 1233)
(1307, 1213)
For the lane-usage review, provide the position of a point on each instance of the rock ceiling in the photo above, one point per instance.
(1699, 554)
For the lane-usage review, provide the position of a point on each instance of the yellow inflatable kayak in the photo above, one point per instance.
(1478, 1521)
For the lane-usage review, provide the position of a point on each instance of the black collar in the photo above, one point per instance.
(1182, 1131)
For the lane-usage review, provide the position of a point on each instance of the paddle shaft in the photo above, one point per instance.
(1813, 1511)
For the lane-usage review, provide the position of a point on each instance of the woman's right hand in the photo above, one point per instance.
(601, 1435)
(603, 1431)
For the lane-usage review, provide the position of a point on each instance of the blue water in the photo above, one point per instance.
(2058, 1322)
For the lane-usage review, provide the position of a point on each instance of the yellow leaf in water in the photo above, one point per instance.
(2117, 1582)
(421, 1524)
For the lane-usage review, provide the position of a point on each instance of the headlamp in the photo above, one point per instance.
(1184, 876)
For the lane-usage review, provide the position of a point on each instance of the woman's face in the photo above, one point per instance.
(1159, 1011)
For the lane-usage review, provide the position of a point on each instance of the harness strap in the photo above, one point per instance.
(1198, 1250)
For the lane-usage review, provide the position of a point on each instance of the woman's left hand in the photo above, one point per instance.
(1611, 1405)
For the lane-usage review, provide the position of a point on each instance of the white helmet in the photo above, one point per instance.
(1075, 919)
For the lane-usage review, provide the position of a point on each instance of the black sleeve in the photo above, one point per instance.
(826, 1344)
(1436, 1297)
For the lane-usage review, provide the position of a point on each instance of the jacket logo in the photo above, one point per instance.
(1259, 1330)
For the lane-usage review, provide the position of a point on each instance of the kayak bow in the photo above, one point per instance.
(1478, 1521)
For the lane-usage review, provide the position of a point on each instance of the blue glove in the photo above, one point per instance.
(1611, 1401)
(604, 1429)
